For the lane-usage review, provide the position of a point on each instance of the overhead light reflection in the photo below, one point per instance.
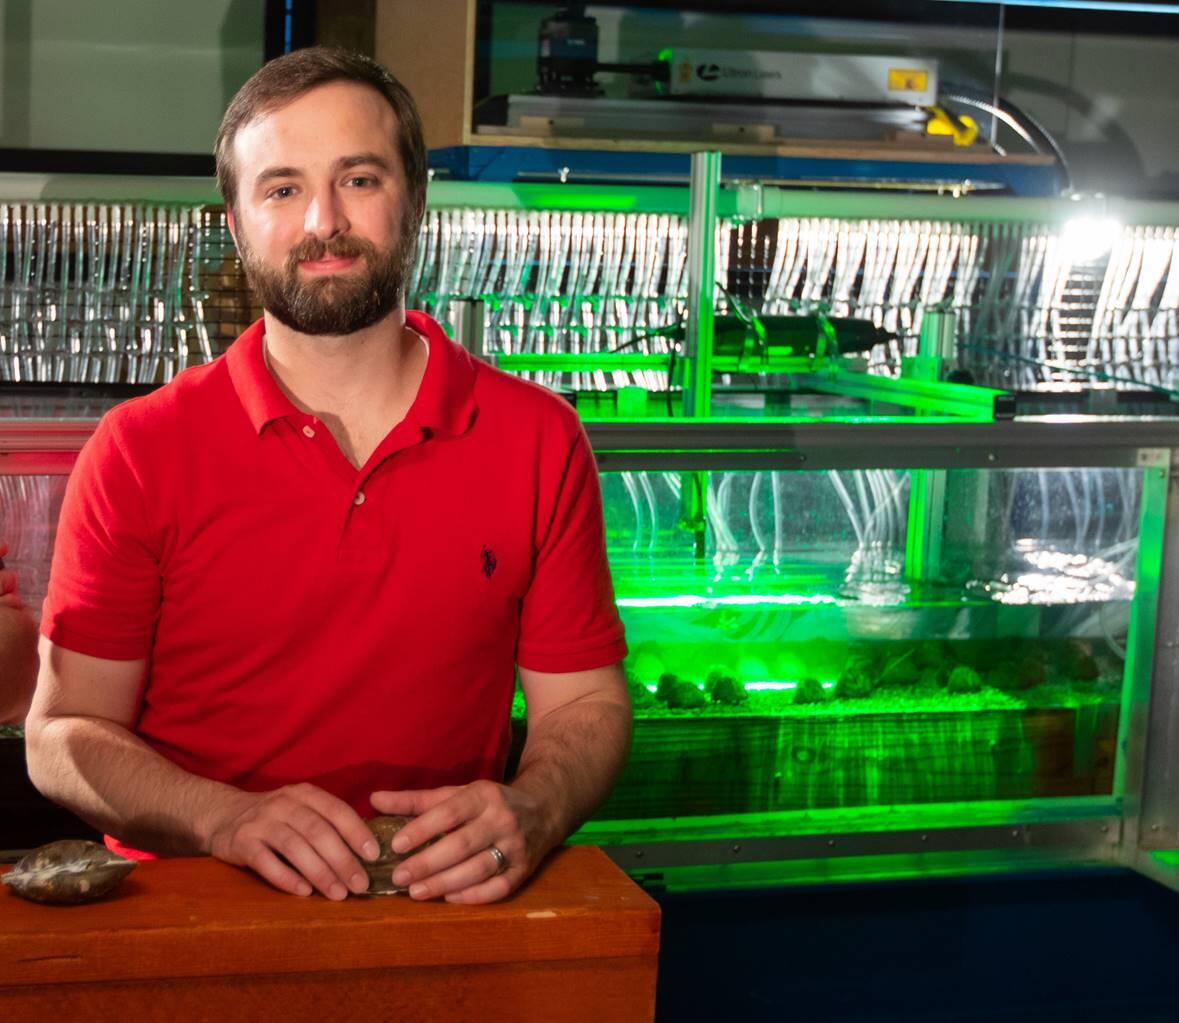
(1087, 239)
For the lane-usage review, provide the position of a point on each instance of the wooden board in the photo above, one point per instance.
(430, 47)
(195, 939)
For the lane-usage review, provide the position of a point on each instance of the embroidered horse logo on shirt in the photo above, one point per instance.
(487, 555)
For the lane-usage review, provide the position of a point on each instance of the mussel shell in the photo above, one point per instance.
(67, 873)
(380, 870)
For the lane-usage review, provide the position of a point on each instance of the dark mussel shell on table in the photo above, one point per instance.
(380, 871)
(67, 872)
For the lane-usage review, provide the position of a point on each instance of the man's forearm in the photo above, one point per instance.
(120, 785)
(571, 760)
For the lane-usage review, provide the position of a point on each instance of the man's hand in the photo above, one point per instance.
(578, 736)
(18, 649)
(470, 819)
(297, 837)
(8, 595)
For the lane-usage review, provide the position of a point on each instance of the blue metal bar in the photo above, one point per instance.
(1081, 5)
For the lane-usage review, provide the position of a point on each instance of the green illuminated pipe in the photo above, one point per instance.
(700, 331)
(927, 396)
(581, 362)
(701, 284)
(754, 201)
(927, 487)
(571, 198)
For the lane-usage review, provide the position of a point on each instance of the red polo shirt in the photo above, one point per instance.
(308, 621)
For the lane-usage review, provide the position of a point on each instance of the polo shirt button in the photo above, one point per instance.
(359, 498)
(308, 432)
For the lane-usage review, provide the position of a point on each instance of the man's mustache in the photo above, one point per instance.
(343, 247)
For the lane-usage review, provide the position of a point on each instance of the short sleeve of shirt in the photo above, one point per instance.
(104, 586)
(569, 621)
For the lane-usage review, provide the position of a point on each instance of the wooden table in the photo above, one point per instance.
(189, 940)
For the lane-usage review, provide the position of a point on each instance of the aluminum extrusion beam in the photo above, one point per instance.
(1083, 441)
(754, 202)
(1086, 839)
(934, 396)
(1152, 787)
(578, 362)
(929, 443)
(706, 169)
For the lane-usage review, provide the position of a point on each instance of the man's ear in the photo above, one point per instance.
(420, 212)
(230, 223)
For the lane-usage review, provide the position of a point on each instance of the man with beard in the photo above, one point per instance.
(295, 585)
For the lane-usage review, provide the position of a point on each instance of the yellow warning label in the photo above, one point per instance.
(901, 79)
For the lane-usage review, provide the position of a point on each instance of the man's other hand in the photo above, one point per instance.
(18, 649)
(297, 838)
(471, 819)
(8, 595)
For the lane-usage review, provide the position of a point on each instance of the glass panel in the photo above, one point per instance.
(872, 637)
(29, 507)
(39, 404)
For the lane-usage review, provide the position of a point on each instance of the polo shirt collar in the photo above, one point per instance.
(445, 402)
(257, 390)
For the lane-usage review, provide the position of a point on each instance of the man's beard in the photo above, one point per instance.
(332, 304)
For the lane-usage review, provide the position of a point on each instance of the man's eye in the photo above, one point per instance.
(282, 192)
(361, 181)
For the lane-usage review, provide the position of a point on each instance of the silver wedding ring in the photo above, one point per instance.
(501, 861)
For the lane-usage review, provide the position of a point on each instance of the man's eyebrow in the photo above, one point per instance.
(275, 172)
(345, 162)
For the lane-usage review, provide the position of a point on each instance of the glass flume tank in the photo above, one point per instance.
(872, 637)
(845, 639)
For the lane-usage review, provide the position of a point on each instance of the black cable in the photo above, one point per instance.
(1018, 120)
(669, 330)
(1078, 370)
(746, 316)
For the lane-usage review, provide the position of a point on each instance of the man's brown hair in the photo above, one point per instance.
(287, 77)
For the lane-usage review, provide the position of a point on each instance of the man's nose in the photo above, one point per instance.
(325, 216)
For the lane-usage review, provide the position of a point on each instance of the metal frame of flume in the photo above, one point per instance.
(918, 389)
(1153, 720)
(1134, 826)
(707, 202)
(867, 843)
(925, 396)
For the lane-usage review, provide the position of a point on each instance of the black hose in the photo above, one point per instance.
(1019, 121)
